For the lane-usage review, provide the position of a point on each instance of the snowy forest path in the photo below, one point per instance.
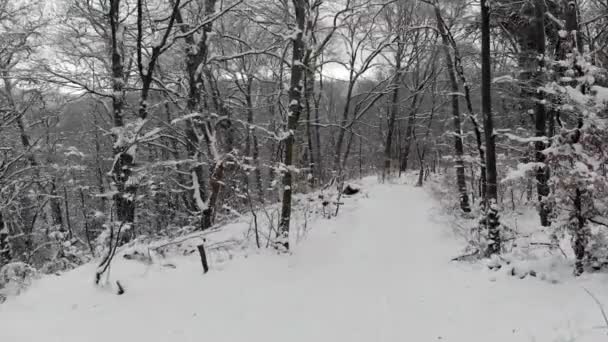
(380, 271)
(387, 275)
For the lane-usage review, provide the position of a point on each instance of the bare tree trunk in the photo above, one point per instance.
(67, 213)
(252, 148)
(492, 218)
(216, 181)
(581, 234)
(85, 220)
(422, 153)
(186, 198)
(317, 131)
(343, 122)
(360, 158)
(293, 116)
(123, 160)
(349, 145)
(458, 145)
(469, 104)
(196, 55)
(5, 250)
(400, 147)
(56, 206)
(123, 163)
(216, 184)
(411, 121)
(581, 230)
(480, 149)
(146, 74)
(542, 172)
(393, 113)
(121, 170)
(308, 94)
(99, 169)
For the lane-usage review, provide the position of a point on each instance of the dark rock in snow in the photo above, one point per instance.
(350, 190)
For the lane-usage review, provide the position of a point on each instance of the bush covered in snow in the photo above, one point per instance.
(14, 278)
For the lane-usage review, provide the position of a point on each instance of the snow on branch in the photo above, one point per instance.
(525, 139)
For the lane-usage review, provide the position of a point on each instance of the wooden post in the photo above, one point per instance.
(201, 251)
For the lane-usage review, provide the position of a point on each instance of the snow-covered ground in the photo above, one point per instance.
(380, 271)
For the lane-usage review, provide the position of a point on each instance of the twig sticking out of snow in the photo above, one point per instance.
(201, 251)
(113, 246)
(121, 290)
(599, 304)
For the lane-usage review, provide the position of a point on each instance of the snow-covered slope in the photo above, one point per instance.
(381, 272)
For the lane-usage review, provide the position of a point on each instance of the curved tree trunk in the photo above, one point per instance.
(469, 104)
(196, 55)
(458, 145)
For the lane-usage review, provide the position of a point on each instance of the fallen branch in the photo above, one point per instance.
(550, 245)
(465, 256)
(199, 235)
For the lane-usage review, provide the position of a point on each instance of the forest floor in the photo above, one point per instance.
(381, 271)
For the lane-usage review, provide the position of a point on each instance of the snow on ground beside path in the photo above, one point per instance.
(381, 271)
